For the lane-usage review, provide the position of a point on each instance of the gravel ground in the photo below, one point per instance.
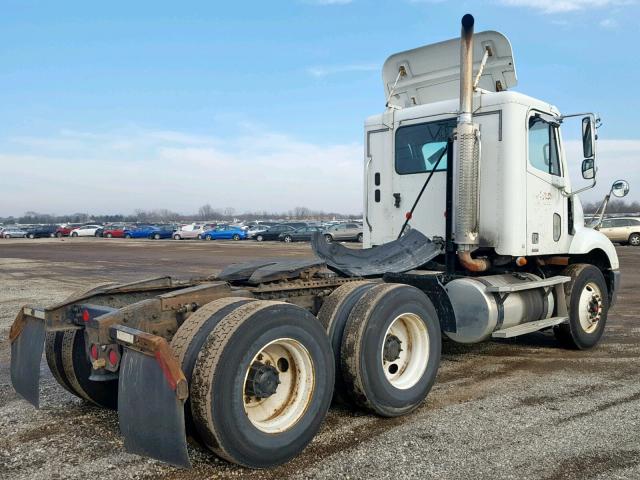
(521, 409)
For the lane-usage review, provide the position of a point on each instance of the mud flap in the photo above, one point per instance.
(407, 253)
(27, 343)
(151, 400)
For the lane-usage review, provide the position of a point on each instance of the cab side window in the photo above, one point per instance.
(543, 146)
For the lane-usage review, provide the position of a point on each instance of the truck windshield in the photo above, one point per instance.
(418, 147)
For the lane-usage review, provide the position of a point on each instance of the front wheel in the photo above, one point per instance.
(360, 237)
(74, 234)
(288, 239)
(236, 237)
(208, 237)
(59, 234)
(156, 236)
(262, 384)
(259, 238)
(588, 304)
(176, 237)
(634, 239)
(328, 238)
(109, 235)
(31, 236)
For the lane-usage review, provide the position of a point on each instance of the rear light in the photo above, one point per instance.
(85, 315)
(114, 358)
(94, 351)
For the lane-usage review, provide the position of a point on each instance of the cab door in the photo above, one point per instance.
(547, 220)
(378, 188)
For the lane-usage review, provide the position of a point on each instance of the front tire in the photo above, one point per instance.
(634, 239)
(360, 237)
(156, 236)
(587, 300)
(262, 384)
(109, 235)
(287, 239)
(259, 238)
(74, 234)
(328, 238)
(31, 236)
(390, 350)
(208, 237)
(176, 237)
(59, 234)
(236, 237)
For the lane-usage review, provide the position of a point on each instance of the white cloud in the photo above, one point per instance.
(119, 172)
(560, 6)
(609, 23)
(323, 71)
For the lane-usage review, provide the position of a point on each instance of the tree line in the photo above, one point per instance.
(615, 206)
(204, 214)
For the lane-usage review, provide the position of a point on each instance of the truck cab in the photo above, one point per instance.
(527, 205)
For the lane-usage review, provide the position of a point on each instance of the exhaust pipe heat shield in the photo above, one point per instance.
(406, 253)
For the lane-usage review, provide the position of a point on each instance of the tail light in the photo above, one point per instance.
(94, 351)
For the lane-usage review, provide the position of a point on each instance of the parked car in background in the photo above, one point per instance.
(113, 231)
(13, 232)
(41, 231)
(225, 232)
(87, 231)
(272, 233)
(65, 230)
(344, 232)
(296, 224)
(256, 229)
(148, 231)
(302, 234)
(189, 231)
(622, 230)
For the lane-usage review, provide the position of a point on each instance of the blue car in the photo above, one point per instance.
(147, 231)
(224, 232)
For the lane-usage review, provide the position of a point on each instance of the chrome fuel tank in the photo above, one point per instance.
(479, 313)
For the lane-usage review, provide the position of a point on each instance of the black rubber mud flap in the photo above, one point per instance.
(151, 415)
(406, 253)
(27, 343)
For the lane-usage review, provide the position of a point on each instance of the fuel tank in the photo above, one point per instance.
(480, 313)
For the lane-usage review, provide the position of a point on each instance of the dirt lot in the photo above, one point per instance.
(518, 409)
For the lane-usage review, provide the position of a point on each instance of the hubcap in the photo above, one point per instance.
(405, 351)
(635, 241)
(279, 384)
(590, 307)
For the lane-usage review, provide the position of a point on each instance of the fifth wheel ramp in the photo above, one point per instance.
(406, 253)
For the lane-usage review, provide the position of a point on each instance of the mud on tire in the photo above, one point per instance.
(390, 350)
(248, 352)
(333, 315)
(581, 333)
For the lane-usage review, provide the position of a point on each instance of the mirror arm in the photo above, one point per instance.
(580, 190)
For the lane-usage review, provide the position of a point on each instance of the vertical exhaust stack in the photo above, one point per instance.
(467, 136)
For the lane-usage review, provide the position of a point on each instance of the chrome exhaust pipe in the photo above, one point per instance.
(467, 136)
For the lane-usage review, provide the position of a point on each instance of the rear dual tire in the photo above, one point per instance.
(68, 361)
(242, 356)
(390, 350)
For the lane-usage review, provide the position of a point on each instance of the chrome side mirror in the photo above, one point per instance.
(588, 169)
(587, 138)
(620, 188)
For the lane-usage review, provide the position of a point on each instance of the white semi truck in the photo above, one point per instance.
(472, 230)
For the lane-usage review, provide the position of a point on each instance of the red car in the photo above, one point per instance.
(114, 231)
(65, 231)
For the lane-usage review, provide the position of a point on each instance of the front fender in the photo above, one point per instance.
(587, 239)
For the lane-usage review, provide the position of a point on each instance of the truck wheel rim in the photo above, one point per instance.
(282, 409)
(405, 351)
(590, 307)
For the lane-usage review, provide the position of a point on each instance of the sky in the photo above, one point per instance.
(107, 107)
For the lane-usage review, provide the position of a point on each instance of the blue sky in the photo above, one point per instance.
(112, 106)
